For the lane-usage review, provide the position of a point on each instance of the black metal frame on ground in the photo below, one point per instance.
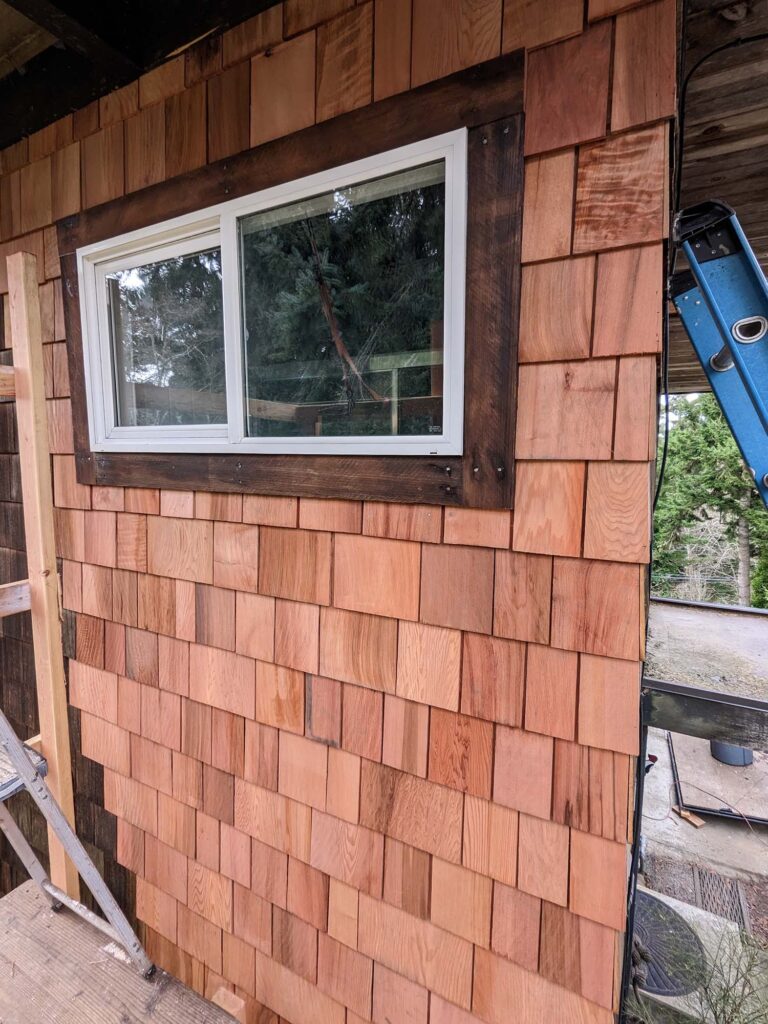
(709, 714)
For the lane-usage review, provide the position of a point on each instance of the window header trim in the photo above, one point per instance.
(487, 99)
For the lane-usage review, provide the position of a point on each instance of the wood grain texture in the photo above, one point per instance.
(556, 310)
(596, 607)
(549, 508)
(67, 946)
(609, 704)
(396, 998)
(453, 34)
(548, 206)
(483, 528)
(578, 954)
(565, 410)
(460, 752)
(429, 665)
(461, 902)
(300, 15)
(493, 679)
(635, 431)
(618, 512)
(516, 926)
(543, 859)
(598, 879)
(529, 23)
(550, 691)
(407, 808)
(407, 878)
(145, 148)
(283, 90)
(406, 728)
(557, 114)
(499, 984)
(345, 62)
(402, 522)
(483, 477)
(348, 852)
(295, 564)
(180, 548)
(380, 577)
(229, 111)
(427, 955)
(621, 191)
(628, 302)
(358, 648)
(522, 771)
(644, 65)
(522, 596)
(391, 47)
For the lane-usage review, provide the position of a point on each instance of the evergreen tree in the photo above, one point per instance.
(705, 477)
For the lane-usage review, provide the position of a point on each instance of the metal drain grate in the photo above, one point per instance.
(721, 896)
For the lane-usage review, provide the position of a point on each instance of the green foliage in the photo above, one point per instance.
(382, 264)
(705, 478)
(168, 327)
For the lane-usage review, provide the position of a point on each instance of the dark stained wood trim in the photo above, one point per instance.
(484, 93)
(488, 100)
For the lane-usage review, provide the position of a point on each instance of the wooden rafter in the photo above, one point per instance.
(76, 36)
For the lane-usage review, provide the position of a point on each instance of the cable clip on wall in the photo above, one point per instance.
(723, 304)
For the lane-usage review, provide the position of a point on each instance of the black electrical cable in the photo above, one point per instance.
(671, 257)
(673, 248)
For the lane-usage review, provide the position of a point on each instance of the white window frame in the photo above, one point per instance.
(216, 226)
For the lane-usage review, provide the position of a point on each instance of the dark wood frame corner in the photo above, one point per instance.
(486, 99)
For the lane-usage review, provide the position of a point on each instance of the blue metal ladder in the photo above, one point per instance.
(723, 304)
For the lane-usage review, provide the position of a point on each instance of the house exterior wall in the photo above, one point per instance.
(372, 761)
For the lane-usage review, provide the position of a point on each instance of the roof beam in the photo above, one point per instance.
(76, 36)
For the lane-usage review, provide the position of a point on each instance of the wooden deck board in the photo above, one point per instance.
(56, 968)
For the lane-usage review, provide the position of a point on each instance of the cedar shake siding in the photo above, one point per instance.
(370, 760)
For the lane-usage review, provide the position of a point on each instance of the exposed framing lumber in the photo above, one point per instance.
(76, 36)
(14, 598)
(7, 382)
(37, 494)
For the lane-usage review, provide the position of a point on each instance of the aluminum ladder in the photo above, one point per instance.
(723, 305)
(22, 766)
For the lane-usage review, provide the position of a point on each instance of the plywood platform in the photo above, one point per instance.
(56, 969)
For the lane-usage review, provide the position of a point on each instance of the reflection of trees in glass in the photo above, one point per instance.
(325, 295)
(169, 342)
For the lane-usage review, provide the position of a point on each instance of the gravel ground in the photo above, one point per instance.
(709, 649)
(675, 878)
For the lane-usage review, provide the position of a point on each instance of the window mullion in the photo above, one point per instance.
(233, 347)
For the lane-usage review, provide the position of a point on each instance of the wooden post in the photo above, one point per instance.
(37, 495)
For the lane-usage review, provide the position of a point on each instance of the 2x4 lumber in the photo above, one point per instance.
(37, 497)
(76, 36)
(7, 382)
(14, 598)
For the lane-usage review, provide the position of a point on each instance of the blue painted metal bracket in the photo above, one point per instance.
(723, 304)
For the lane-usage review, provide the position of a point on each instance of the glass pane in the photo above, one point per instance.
(343, 310)
(168, 341)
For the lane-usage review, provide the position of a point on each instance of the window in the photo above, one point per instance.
(328, 314)
(322, 316)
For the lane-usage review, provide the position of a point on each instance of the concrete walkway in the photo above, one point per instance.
(731, 848)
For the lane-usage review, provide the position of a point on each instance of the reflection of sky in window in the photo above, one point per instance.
(131, 280)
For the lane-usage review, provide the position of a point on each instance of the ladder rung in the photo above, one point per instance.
(14, 598)
(82, 911)
(7, 382)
